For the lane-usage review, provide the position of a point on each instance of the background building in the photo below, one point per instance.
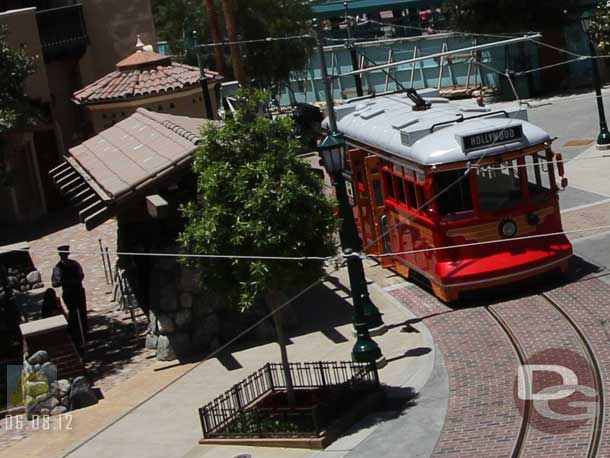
(148, 80)
(74, 43)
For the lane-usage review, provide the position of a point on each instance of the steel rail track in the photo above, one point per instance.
(597, 377)
(527, 403)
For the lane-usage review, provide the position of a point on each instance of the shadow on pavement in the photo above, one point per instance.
(50, 224)
(396, 402)
(412, 353)
(113, 344)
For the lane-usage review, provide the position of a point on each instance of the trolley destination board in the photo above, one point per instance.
(494, 137)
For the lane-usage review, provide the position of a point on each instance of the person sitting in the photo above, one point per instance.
(51, 305)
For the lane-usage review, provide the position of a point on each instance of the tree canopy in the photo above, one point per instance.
(15, 108)
(272, 62)
(267, 62)
(600, 27)
(496, 16)
(255, 196)
(15, 67)
(172, 17)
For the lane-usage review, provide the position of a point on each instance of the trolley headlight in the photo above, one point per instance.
(508, 228)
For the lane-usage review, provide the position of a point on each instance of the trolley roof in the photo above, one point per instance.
(434, 136)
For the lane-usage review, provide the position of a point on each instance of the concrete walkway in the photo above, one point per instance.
(154, 414)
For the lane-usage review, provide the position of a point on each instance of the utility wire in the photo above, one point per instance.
(178, 255)
(258, 40)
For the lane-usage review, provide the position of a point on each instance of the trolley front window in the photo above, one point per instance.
(456, 195)
(538, 175)
(500, 187)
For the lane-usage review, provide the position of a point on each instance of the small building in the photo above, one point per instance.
(146, 79)
(139, 171)
(112, 173)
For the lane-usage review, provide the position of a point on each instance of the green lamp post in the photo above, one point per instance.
(332, 152)
(603, 139)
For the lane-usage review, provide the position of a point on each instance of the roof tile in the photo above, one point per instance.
(140, 82)
(137, 149)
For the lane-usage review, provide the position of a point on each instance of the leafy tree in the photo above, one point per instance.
(495, 16)
(256, 197)
(16, 110)
(15, 66)
(272, 62)
(267, 62)
(600, 27)
(172, 17)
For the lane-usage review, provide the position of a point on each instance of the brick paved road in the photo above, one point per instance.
(588, 303)
(541, 328)
(483, 419)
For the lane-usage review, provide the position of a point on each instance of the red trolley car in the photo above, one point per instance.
(426, 174)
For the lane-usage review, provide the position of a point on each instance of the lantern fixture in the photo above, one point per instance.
(332, 152)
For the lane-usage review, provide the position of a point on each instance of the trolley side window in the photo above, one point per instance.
(388, 185)
(538, 174)
(456, 199)
(401, 186)
(500, 187)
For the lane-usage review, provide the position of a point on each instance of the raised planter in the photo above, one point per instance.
(329, 397)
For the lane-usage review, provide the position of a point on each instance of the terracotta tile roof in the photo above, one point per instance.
(142, 59)
(136, 151)
(141, 77)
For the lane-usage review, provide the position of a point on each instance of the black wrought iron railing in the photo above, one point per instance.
(62, 31)
(254, 407)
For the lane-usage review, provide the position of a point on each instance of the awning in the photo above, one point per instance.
(333, 8)
(130, 158)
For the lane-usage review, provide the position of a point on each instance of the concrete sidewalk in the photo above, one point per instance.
(154, 414)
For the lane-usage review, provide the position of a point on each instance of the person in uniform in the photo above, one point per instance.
(68, 274)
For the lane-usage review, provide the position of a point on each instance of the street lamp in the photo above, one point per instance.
(332, 150)
(603, 139)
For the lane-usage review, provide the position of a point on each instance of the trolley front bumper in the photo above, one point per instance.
(506, 266)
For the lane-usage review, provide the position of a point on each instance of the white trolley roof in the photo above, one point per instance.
(388, 123)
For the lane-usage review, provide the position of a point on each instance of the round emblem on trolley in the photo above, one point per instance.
(508, 228)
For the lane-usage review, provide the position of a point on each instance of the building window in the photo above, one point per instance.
(160, 108)
(172, 106)
(122, 114)
(103, 115)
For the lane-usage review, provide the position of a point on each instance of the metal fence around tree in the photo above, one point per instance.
(254, 408)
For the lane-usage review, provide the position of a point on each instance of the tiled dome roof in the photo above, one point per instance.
(142, 74)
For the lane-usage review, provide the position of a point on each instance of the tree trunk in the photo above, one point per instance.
(274, 301)
(216, 37)
(238, 71)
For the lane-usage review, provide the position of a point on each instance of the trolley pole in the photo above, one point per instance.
(203, 80)
(352, 52)
(366, 316)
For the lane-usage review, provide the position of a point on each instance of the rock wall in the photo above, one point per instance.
(45, 395)
(184, 319)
